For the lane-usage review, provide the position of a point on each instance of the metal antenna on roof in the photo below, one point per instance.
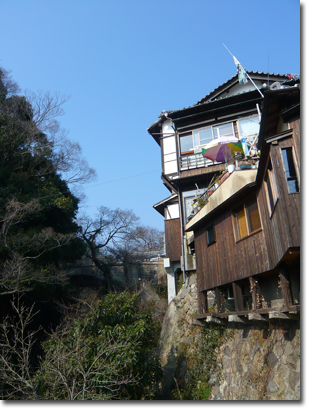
(268, 68)
(242, 74)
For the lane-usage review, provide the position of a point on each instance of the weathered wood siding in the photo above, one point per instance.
(282, 228)
(227, 260)
(202, 171)
(173, 239)
(296, 138)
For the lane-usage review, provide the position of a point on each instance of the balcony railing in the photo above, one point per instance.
(193, 161)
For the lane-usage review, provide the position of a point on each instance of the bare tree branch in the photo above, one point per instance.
(16, 344)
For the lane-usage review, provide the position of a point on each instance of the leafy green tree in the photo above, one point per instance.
(107, 354)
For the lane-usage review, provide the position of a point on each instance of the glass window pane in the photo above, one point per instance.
(215, 133)
(210, 235)
(226, 130)
(205, 136)
(290, 171)
(249, 126)
(186, 143)
(196, 138)
(293, 186)
(188, 206)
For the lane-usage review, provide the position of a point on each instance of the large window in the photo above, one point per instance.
(247, 219)
(200, 138)
(290, 170)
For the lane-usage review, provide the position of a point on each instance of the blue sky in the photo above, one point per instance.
(124, 61)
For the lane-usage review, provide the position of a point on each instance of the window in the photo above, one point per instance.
(186, 143)
(290, 171)
(225, 130)
(201, 137)
(249, 128)
(271, 187)
(210, 235)
(188, 198)
(247, 219)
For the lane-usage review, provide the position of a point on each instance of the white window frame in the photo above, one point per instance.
(251, 139)
(214, 133)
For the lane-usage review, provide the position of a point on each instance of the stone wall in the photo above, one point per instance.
(179, 327)
(260, 363)
(256, 361)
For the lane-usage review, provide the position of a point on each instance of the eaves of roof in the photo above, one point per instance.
(160, 206)
(277, 102)
(214, 108)
(255, 75)
(211, 97)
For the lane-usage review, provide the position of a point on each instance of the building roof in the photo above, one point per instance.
(215, 99)
(255, 75)
(160, 206)
(220, 92)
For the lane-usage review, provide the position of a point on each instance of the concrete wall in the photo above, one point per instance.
(134, 273)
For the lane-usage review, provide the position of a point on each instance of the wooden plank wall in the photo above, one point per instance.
(282, 229)
(227, 260)
(173, 239)
(202, 171)
(296, 139)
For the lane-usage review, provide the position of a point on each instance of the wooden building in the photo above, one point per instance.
(247, 238)
(232, 109)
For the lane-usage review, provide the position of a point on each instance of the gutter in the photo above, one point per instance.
(182, 233)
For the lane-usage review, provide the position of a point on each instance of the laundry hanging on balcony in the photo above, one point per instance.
(222, 149)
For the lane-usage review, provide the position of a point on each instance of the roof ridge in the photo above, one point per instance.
(206, 98)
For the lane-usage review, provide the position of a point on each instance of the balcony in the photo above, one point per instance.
(193, 161)
(231, 184)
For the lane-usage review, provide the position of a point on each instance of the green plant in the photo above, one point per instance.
(201, 201)
(179, 281)
(201, 362)
(107, 354)
(161, 290)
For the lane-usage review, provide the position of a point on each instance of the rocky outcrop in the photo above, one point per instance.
(180, 327)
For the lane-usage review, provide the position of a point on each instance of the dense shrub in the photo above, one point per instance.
(107, 354)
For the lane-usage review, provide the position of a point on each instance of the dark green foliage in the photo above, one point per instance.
(106, 349)
(107, 354)
(37, 209)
